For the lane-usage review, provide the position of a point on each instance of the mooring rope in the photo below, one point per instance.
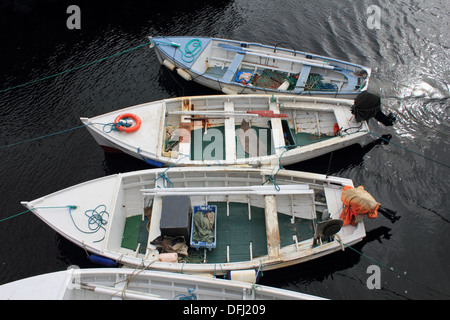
(393, 270)
(96, 220)
(72, 69)
(41, 137)
(20, 213)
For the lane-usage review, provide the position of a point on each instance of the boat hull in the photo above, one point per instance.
(119, 188)
(185, 70)
(336, 111)
(136, 284)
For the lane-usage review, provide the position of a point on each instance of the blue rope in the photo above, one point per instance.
(421, 155)
(273, 177)
(191, 49)
(76, 68)
(393, 270)
(115, 126)
(20, 213)
(188, 53)
(95, 220)
(41, 137)
(166, 181)
(189, 296)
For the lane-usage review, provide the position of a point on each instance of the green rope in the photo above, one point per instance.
(113, 128)
(166, 181)
(13, 216)
(76, 68)
(393, 270)
(418, 121)
(20, 213)
(188, 53)
(95, 220)
(41, 137)
(419, 154)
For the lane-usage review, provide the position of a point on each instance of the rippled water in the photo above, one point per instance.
(409, 55)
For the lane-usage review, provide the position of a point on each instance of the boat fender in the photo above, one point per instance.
(249, 276)
(102, 261)
(186, 76)
(154, 163)
(284, 86)
(168, 257)
(228, 91)
(168, 64)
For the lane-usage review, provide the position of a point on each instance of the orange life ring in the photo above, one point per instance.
(133, 128)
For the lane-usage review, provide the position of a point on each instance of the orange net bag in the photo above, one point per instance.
(357, 203)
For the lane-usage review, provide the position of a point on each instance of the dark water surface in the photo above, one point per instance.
(409, 55)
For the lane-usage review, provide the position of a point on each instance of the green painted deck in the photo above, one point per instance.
(135, 232)
(211, 145)
(303, 138)
(237, 231)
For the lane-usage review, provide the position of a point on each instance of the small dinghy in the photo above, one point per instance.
(137, 284)
(236, 67)
(229, 130)
(195, 220)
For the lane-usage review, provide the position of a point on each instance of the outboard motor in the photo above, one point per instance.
(368, 105)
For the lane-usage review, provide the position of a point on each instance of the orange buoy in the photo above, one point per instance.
(122, 128)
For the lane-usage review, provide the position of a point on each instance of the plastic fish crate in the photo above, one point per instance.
(202, 244)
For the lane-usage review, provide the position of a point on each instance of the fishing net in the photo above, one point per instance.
(315, 83)
(273, 79)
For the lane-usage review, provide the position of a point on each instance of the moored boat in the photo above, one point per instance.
(229, 129)
(137, 284)
(261, 219)
(236, 67)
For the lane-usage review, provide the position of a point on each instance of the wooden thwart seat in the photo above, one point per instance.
(301, 82)
(272, 229)
(228, 76)
(230, 133)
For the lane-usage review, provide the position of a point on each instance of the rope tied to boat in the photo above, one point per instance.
(392, 269)
(72, 69)
(166, 181)
(196, 45)
(20, 213)
(191, 49)
(189, 296)
(115, 126)
(96, 220)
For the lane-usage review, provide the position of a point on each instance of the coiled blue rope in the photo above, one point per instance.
(189, 296)
(189, 54)
(96, 220)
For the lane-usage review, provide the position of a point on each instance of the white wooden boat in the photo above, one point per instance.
(222, 130)
(241, 67)
(137, 284)
(259, 225)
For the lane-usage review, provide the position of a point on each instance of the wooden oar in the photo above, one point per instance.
(243, 50)
(253, 113)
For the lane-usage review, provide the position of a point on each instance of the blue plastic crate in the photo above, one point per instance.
(201, 244)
